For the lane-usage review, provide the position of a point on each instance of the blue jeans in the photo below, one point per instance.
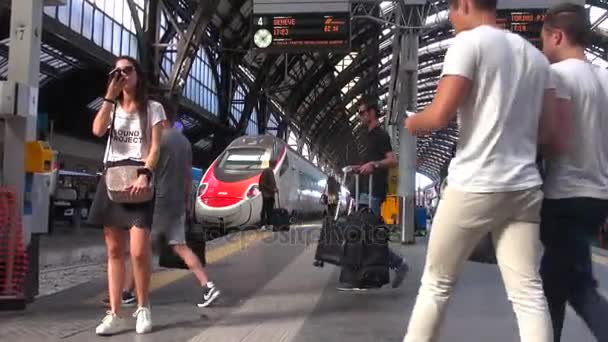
(376, 202)
(394, 259)
(566, 268)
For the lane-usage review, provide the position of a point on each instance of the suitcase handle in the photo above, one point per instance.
(349, 169)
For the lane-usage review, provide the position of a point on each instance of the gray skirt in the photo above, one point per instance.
(105, 212)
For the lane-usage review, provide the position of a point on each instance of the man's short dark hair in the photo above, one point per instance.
(573, 20)
(486, 5)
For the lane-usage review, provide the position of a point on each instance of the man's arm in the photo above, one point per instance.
(451, 91)
(554, 128)
(555, 124)
(459, 70)
(274, 181)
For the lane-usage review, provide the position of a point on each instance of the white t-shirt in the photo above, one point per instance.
(129, 141)
(583, 170)
(499, 120)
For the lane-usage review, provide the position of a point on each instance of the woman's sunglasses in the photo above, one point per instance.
(122, 71)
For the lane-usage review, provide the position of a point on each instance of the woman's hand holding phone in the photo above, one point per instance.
(117, 83)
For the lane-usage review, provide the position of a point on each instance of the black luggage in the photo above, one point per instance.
(358, 243)
(279, 218)
(365, 259)
(330, 246)
(331, 242)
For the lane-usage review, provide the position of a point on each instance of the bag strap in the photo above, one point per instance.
(110, 138)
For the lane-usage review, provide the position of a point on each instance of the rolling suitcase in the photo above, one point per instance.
(330, 246)
(365, 256)
(279, 218)
(358, 243)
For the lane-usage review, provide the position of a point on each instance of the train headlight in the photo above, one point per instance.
(253, 191)
(201, 189)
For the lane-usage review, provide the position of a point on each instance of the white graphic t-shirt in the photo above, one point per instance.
(129, 140)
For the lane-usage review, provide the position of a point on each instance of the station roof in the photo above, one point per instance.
(321, 91)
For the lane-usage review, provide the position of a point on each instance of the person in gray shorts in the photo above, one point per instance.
(174, 199)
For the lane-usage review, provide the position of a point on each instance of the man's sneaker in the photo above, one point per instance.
(128, 299)
(400, 273)
(110, 325)
(143, 320)
(349, 287)
(210, 293)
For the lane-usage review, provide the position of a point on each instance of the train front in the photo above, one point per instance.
(229, 196)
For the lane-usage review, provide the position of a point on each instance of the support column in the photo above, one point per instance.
(407, 90)
(151, 51)
(23, 71)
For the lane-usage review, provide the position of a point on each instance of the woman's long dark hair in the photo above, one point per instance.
(141, 94)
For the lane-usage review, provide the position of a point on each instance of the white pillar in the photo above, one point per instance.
(23, 78)
(407, 92)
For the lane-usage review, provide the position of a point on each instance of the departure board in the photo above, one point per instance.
(528, 23)
(301, 32)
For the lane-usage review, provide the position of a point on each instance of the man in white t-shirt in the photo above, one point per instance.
(500, 87)
(576, 184)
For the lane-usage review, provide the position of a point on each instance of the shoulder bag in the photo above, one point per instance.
(120, 175)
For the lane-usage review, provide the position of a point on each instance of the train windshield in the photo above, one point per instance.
(244, 159)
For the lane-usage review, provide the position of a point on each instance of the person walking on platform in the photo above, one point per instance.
(268, 187)
(135, 126)
(331, 195)
(174, 200)
(576, 182)
(501, 90)
(378, 159)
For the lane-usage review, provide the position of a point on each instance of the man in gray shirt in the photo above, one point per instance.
(173, 181)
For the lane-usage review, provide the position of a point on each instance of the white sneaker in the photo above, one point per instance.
(144, 320)
(110, 325)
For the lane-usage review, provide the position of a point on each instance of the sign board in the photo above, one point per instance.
(296, 26)
(528, 22)
(301, 32)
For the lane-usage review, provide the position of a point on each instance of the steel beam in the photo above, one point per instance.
(187, 48)
(254, 91)
(225, 90)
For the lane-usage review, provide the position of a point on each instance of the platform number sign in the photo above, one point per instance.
(301, 32)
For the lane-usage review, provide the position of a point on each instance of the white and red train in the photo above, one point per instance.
(229, 196)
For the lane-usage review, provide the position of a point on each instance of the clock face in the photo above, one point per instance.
(262, 38)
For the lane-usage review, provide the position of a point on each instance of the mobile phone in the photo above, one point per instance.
(115, 75)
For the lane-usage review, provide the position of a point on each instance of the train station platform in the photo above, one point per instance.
(272, 292)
